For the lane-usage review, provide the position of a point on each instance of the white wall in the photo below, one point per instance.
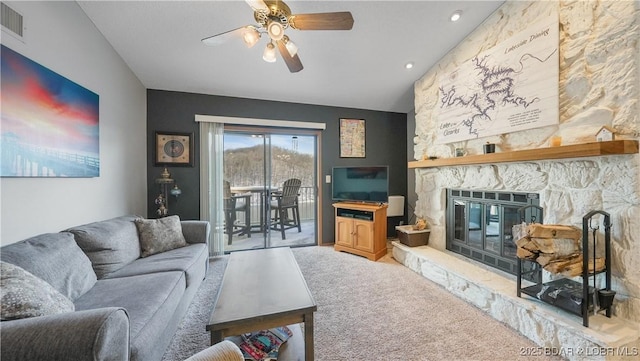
(61, 37)
(599, 85)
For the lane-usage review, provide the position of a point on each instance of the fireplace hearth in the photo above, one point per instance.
(542, 323)
(479, 225)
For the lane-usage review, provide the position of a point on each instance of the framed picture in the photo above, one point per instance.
(49, 124)
(352, 138)
(174, 149)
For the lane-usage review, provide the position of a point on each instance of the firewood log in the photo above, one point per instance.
(531, 246)
(544, 258)
(575, 269)
(553, 231)
(559, 265)
(559, 246)
(525, 254)
(523, 250)
(523, 241)
(572, 266)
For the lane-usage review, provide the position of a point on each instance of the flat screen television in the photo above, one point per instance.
(360, 184)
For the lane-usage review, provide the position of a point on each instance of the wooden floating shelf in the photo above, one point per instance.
(614, 147)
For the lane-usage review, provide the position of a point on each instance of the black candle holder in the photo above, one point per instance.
(489, 148)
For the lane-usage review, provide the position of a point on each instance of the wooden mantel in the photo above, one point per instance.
(614, 147)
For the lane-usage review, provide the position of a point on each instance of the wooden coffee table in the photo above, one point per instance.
(262, 289)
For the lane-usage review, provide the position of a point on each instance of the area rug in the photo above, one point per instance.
(373, 311)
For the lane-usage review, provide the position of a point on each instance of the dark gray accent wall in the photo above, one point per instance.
(412, 196)
(386, 143)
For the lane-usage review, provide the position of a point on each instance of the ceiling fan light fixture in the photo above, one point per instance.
(275, 30)
(269, 54)
(258, 5)
(250, 36)
(292, 48)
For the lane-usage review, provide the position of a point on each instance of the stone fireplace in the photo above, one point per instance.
(479, 225)
(568, 189)
(598, 86)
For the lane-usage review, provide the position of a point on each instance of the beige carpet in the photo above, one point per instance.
(373, 311)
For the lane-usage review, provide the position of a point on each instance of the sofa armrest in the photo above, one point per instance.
(222, 351)
(196, 231)
(100, 334)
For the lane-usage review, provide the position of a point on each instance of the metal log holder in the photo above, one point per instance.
(578, 298)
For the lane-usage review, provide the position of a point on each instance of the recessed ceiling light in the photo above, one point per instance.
(456, 15)
(408, 65)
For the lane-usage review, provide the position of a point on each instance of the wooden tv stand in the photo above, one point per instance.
(361, 229)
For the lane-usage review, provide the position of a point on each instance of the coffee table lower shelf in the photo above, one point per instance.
(293, 349)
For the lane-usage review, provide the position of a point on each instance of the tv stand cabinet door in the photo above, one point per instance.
(363, 235)
(344, 230)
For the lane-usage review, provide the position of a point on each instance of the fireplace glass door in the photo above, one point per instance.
(479, 225)
(509, 220)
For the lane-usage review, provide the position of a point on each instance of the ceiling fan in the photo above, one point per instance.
(272, 18)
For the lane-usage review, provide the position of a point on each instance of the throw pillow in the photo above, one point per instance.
(110, 244)
(159, 235)
(56, 259)
(25, 295)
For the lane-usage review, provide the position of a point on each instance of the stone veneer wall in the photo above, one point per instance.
(599, 85)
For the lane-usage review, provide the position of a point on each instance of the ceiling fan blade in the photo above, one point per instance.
(322, 21)
(224, 37)
(257, 5)
(293, 62)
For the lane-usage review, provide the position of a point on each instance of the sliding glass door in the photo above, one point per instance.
(262, 168)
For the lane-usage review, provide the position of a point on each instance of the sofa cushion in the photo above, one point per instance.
(150, 301)
(190, 259)
(109, 244)
(159, 235)
(25, 295)
(56, 259)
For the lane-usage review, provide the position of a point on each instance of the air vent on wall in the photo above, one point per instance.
(12, 21)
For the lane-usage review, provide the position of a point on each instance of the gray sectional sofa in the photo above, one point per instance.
(124, 306)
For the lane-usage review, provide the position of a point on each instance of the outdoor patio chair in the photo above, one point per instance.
(281, 202)
(234, 203)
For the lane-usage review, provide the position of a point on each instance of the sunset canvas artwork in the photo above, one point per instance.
(49, 124)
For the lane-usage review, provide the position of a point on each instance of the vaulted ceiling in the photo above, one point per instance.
(361, 68)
